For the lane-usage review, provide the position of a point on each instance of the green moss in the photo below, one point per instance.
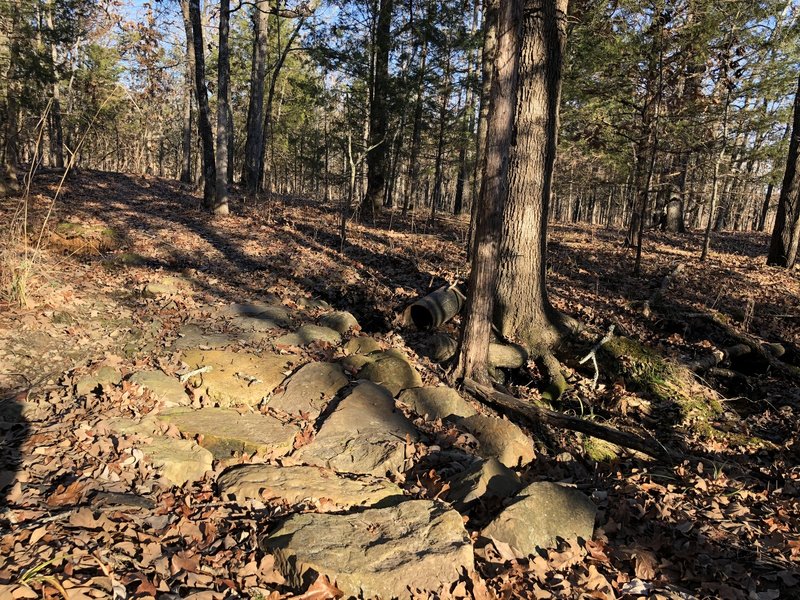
(649, 373)
(600, 450)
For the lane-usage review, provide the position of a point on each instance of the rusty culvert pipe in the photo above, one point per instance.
(437, 308)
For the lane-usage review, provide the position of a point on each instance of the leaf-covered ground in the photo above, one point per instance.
(723, 523)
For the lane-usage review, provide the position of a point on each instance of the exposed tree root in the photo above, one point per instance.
(533, 414)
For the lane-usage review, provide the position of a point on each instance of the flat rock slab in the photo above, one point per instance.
(308, 334)
(365, 434)
(104, 377)
(392, 370)
(340, 320)
(226, 431)
(194, 336)
(500, 439)
(378, 552)
(543, 512)
(162, 386)
(310, 389)
(177, 460)
(271, 310)
(437, 402)
(486, 479)
(320, 487)
(361, 345)
(237, 377)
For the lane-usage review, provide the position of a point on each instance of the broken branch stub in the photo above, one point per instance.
(436, 308)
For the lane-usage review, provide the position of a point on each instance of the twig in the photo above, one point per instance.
(593, 355)
(187, 376)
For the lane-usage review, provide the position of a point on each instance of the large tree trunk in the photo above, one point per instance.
(523, 309)
(253, 147)
(223, 125)
(473, 351)
(378, 113)
(204, 113)
(786, 232)
(186, 147)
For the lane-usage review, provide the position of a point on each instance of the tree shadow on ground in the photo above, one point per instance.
(14, 431)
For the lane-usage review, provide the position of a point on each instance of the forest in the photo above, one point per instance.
(437, 299)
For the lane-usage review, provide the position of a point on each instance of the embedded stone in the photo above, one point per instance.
(323, 488)
(194, 336)
(365, 434)
(437, 402)
(177, 460)
(486, 479)
(310, 389)
(542, 513)
(392, 370)
(225, 431)
(378, 552)
(237, 377)
(340, 320)
(361, 345)
(308, 334)
(500, 439)
(162, 386)
(105, 376)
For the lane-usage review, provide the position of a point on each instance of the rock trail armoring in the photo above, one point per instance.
(332, 439)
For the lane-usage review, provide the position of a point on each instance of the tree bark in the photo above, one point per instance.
(186, 145)
(254, 144)
(490, 8)
(410, 192)
(57, 132)
(473, 345)
(204, 113)
(223, 126)
(378, 113)
(523, 309)
(786, 232)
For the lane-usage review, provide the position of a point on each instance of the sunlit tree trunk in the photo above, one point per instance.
(253, 147)
(472, 355)
(523, 310)
(204, 113)
(223, 125)
(786, 232)
(378, 113)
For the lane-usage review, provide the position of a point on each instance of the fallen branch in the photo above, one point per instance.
(593, 355)
(655, 298)
(763, 349)
(717, 356)
(532, 413)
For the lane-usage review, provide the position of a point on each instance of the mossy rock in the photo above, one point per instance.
(125, 259)
(667, 383)
(83, 239)
(600, 450)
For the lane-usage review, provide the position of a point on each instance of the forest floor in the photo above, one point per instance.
(721, 523)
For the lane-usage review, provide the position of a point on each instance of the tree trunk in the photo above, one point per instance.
(523, 309)
(223, 126)
(378, 113)
(253, 147)
(473, 350)
(186, 144)
(490, 8)
(438, 176)
(204, 113)
(416, 133)
(56, 133)
(786, 232)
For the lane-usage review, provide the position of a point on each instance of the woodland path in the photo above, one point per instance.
(314, 421)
